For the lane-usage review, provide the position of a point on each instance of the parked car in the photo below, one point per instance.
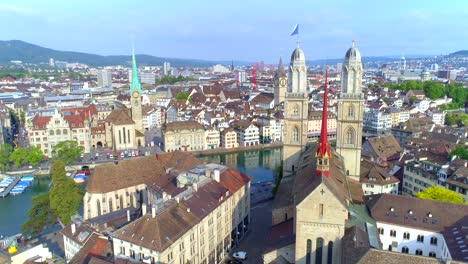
(240, 255)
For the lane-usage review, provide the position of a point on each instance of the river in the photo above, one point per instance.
(259, 164)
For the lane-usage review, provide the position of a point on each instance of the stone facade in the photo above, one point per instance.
(183, 136)
(280, 83)
(350, 113)
(296, 110)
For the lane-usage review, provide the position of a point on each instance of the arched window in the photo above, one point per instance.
(51, 132)
(111, 205)
(353, 81)
(406, 235)
(57, 132)
(120, 137)
(65, 132)
(295, 134)
(418, 252)
(296, 110)
(393, 233)
(381, 230)
(318, 251)
(125, 138)
(421, 238)
(432, 254)
(330, 253)
(309, 251)
(131, 199)
(404, 250)
(98, 207)
(350, 136)
(434, 241)
(350, 111)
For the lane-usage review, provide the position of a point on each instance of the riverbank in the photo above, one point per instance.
(238, 149)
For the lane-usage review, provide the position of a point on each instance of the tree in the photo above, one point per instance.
(18, 156)
(67, 151)
(460, 152)
(440, 194)
(5, 152)
(65, 196)
(34, 155)
(40, 215)
(58, 205)
(412, 99)
(433, 90)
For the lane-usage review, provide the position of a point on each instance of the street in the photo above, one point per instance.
(255, 238)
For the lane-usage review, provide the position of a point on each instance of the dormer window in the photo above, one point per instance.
(410, 212)
(429, 214)
(392, 209)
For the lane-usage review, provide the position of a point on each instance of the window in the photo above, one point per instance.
(404, 250)
(57, 132)
(295, 134)
(393, 233)
(390, 248)
(51, 132)
(350, 136)
(418, 252)
(350, 111)
(169, 257)
(122, 251)
(309, 250)
(421, 238)
(318, 250)
(296, 110)
(432, 254)
(65, 132)
(132, 253)
(181, 246)
(434, 241)
(321, 210)
(381, 231)
(330, 253)
(406, 235)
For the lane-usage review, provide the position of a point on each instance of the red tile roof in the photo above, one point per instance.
(40, 122)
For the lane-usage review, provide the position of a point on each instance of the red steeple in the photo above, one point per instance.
(323, 152)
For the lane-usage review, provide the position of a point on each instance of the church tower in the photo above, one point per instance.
(323, 153)
(135, 97)
(296, 109)
(280, 82)
(350, 113)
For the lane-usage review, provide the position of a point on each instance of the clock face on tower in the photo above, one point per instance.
(282, 82)
(135, 94)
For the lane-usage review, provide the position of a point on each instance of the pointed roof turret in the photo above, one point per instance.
(280, 71)
(323, 152)
(135, 85)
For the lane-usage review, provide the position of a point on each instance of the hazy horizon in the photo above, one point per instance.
(239, 30)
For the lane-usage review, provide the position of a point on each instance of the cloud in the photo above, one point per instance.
(9, 8)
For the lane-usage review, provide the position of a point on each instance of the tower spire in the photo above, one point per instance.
(323, 152)
(135, 85)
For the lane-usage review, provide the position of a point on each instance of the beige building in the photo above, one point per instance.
(192, 212)
(120, 131)
(296, 110)
(350, 113)
(314, 124)
(183, 136)
(213, 138)
(65, 124)
(229, 138)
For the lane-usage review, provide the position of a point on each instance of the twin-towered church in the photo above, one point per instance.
(319, 183)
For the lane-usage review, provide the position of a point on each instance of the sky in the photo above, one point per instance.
(248, 30)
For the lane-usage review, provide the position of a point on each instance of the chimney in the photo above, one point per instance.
(216, 175)
(195, 187)
(153, 211)
(128, 216)
(143, 209)
(73, 228)
(177, 199)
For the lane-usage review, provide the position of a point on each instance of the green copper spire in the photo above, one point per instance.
(135, 85)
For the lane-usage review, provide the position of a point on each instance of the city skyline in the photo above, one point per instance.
(239, 30)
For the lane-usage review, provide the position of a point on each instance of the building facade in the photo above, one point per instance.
(183, 136)
(296, 110)
(229, 138)
(350, 113)
(280, 83)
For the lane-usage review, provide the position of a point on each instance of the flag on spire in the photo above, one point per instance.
(295, 30)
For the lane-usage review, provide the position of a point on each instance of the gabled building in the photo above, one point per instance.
(248, 134)
(229, 138)
(376, 178)
(183, 136)
(383, 148)
(420, 227)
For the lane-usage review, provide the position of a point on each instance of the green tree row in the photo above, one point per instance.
(456, 118)
(441, 194)
(172, 79)
(21, 73)
(67, 151)
(434, 90)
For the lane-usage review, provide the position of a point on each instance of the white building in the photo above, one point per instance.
(218, 68)
(104, 78)
(376, 179)
(247, 134)
(437, 116)
(147, 77)
(213, 139)
(166, 68)
(376, 121)
(422, 105)
(151, 117)
(420, 227)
